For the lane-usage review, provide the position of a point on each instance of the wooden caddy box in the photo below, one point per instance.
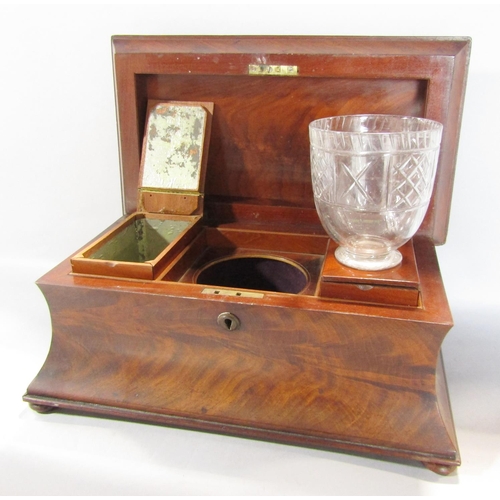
(244, 323)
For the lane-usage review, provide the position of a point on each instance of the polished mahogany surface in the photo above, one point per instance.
(315, 365)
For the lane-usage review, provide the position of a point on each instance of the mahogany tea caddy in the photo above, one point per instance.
(246, 324)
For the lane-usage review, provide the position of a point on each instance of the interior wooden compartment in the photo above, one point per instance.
(298, 263)
(244, 259)
(138, 247)
(259, 154)
(258, 164)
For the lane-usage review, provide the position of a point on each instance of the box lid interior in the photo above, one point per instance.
(266, 91)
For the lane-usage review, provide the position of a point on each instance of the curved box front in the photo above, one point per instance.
(292, 371)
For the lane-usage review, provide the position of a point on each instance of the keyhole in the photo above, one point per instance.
(228, 321)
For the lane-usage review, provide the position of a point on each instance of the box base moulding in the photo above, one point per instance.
(440, 465)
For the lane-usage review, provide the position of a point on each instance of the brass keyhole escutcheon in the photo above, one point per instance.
(228, 321)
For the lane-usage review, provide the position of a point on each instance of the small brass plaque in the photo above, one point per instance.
(272, 70)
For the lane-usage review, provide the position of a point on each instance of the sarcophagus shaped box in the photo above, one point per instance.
(216, 302)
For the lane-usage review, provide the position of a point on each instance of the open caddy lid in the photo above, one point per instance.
(174, 157)
(266, 91)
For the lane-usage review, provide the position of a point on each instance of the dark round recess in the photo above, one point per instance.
(255, 273)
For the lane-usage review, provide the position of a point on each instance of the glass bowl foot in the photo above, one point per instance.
(368, 262)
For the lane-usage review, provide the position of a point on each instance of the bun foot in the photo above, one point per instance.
(42, 408)
(441, 469)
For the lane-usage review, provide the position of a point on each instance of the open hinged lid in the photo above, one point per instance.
(174, 157)
(266, 91)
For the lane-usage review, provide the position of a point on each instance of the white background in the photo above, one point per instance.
(59, 185)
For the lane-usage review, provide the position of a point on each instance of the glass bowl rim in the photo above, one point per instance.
(430, 125)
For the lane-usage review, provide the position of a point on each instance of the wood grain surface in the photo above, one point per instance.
(307, 368)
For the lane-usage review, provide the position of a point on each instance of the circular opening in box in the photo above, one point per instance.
(255, 273)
